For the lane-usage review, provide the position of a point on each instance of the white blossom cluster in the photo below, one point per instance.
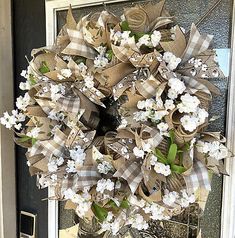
(151, 109)
(171, 60)
(104, 167)
(64, 74)
(57, 91)
(160, 168)
(195, 116)
(122, 38)
(14, 120)
(213, 149)
(177, 87)
(23, 101)
(183, 198)
(104, 184)
(82, 200)
(150, 40)
(101, 60)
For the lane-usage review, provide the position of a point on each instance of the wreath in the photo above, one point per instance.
(115, 115)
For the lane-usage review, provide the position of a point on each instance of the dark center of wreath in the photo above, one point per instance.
(109, 117)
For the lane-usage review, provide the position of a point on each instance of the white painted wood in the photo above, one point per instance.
(7, 155)
(228, 206)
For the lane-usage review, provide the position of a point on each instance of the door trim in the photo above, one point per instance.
(8, 227)
(228, 201)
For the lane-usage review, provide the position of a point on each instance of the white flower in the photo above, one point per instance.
(172, 94)
(201, 114)
(144, 40)
(137, 221)
(82, 68)
(101, 49)
(186, 199)
(197, 63)
(34, 132)
(89, 81)
(177, 85)
(162, 127)
(170, 198)
(100, 61)
(155, 38)
(54, 177)
(54, 115)
(171, 59)
(78, 155)
(67, 73)
(158, 115)
(52, 166)
(189, 123)
(188, 103)
(70, 167)
(141, 104)
(123, 124)
(25, 86)
(138, 152)
(104, 184)
(214, 149)
(157, 211)
(140, 116)
(104, 167)
(124, 39)
(162, 169)
(57, 91)
(23, 102)
(24, 73)
(169, 104)
(60, 161)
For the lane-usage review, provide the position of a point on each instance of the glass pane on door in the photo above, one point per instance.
(217, 23)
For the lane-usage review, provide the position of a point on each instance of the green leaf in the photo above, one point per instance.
(109, 54)
(100, 212)
(34, 140)
(112, 204)
(24, 138)
(160, 156)
(172, 136)
(44, 68)
(177, 169)
(124, 204)
(125, 26)
(172, 153)
(138, 35)
(32, 80)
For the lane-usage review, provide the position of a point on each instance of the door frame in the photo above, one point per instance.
(228, 200)
(8, 227)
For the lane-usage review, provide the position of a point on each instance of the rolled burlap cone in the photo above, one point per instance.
(175, 116)
(175, 182)
(182, 137)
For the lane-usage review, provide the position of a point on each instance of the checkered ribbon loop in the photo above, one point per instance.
(194, 85)
(131, 172)
(87, 176)
(78, 46)
(51, 147)
(69, 104)
(197, 44)
(198, 178)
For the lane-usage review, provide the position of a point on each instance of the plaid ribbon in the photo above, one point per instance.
(198, 178)
(132, 174)
(197, 44)
(87, 176)
(69, 104)
(78, 46)
(193, 85)
(50, 147)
